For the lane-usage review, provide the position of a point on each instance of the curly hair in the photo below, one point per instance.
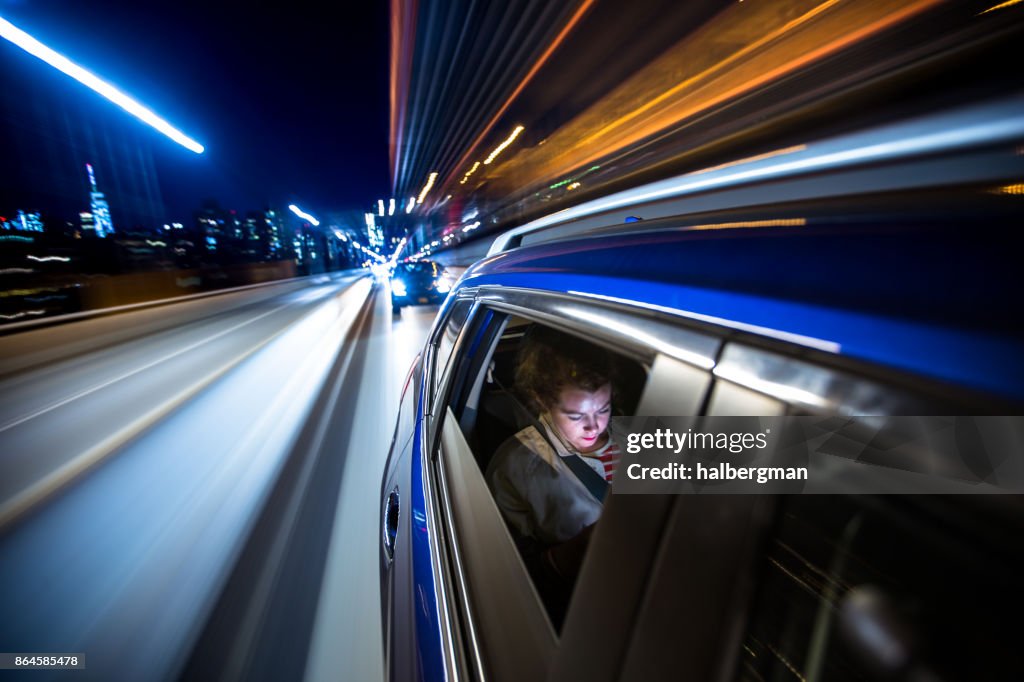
(550, 361)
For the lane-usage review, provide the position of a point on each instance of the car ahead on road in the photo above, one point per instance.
(418, 282)
(833, 281)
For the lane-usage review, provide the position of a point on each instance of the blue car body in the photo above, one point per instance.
(920, 288)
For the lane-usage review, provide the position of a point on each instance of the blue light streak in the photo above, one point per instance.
(35, 48)
(305, 216)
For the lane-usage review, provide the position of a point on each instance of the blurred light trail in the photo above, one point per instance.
(391, 206)
(305, 216)
(469, 172)
(426, 187)
(411, 204)
(62, 63)
(555, 44)
(501, 147)
(692, 78)
(987, 125)
(47, 259)
(1002, 5)
(24, 313)
(380, 207)
(780, 222)
(398, 250)
(748, 159)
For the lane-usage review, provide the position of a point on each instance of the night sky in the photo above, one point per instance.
(290, 103)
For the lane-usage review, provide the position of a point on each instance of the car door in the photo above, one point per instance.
(506, 632)
(413, 622)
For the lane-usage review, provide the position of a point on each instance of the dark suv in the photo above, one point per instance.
(849, 278)
(418, 282)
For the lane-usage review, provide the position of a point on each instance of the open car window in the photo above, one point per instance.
(549, 513)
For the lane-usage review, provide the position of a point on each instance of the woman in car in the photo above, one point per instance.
(549, 478)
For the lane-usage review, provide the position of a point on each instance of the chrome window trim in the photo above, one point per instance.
(756, 330)
(629, 329)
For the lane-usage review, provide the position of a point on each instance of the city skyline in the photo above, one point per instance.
(251, 85)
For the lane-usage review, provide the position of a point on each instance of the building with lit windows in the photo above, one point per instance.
(28, 222)
(102, 225)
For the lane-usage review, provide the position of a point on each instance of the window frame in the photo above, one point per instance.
(453, 462)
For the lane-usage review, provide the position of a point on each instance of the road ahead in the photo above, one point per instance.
(193, 488)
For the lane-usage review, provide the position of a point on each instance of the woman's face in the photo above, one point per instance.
(582, 416)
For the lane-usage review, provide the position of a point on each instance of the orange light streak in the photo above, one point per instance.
(781, 222)
(555, 44)
(758, 157)
(743, 78)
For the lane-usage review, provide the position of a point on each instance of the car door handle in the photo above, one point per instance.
(390, 525)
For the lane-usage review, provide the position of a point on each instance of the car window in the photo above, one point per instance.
(859, 588)
(420, 268)
(446, 338)
(405, 422)
(550, 516)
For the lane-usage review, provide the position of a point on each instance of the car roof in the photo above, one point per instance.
(931, 298)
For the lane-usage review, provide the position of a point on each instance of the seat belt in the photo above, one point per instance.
(594, 482)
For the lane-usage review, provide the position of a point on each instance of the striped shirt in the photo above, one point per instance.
(609, 457)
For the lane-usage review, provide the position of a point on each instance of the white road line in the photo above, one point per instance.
(18, 504)
(81, 394)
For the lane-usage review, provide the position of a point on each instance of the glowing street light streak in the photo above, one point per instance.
(469, 172)
(1004, 5)
(65, 65)
(501, 147)
(391, 206)
(411, 204)
(305, 216)
(398, 250)
(47, 259)
(427, 187)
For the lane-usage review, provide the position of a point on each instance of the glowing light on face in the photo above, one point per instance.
(581, 417)
(427, 187)
(501, 147)
(65, 65)
(302, 214)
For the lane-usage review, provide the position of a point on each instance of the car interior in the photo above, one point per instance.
(491, 410)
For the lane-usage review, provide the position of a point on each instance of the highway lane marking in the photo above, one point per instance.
(81, 394)
(21, 502)
(252, 616)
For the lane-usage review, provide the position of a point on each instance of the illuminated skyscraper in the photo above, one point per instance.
(101, 222)
(28, 222)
